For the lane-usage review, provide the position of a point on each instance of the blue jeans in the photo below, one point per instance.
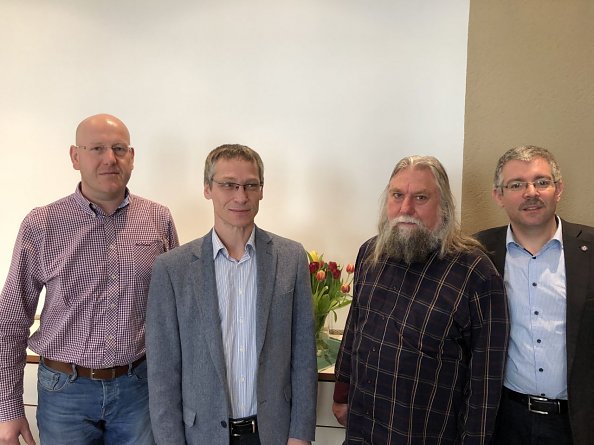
(75, 410)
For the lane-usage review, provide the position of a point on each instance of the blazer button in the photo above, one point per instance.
(223, 424)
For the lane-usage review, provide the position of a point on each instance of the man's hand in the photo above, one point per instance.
(12, 429)
(340, 411)
(297, 442)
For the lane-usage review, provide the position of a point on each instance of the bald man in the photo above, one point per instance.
(93, 252)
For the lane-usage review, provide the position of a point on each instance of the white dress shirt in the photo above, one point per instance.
(237, 295)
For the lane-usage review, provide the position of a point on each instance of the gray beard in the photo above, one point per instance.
(410, 246)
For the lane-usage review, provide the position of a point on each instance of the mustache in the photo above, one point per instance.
(531, 202)
(406, 219)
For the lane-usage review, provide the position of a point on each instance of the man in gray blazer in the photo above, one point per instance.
(230, 338)
(548, 268)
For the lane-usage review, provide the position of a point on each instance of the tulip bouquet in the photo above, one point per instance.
(329, 290)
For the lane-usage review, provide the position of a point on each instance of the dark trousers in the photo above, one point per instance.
(516, 425)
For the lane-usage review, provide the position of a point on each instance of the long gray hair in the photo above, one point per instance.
(452, 239)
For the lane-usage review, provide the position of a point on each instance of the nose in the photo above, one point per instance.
(407, 207)
(530, 189)
(109, 156)
(240, 194)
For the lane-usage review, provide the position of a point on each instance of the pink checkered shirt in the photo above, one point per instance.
(96, 270)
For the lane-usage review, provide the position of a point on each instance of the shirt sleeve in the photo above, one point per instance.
(18, 302)
(172, 238)
(343, 360)
(488, 343)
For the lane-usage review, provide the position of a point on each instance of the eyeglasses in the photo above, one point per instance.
(119, 150)
(539, 184)
(231, 187)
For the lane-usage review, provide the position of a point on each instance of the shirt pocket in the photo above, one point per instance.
(144, 253)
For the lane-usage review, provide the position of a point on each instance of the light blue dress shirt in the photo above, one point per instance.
(536, 292)
(237, 289)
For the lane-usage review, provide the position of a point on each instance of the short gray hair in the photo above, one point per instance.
(525, 153)
(231, 151)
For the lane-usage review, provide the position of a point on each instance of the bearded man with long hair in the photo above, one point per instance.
(422, 358)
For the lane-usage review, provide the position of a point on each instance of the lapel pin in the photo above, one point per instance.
(584, 248)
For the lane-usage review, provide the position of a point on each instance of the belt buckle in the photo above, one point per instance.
(541, 399)
(241, 424)
(93, 371)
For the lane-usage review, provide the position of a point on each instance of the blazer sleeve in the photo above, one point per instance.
(304, 372)
(164, 358)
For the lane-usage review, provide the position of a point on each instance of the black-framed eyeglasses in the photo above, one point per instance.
(539, 184)
(250, 187)
(119, 150)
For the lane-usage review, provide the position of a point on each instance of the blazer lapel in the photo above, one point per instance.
(266, 261)
(578, 254)
(496, 247)
(205, 290)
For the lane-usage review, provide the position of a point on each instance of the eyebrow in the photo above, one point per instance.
(520, 179)
(418, 192)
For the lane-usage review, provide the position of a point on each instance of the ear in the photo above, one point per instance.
(132, 157)
(207, 191)
(559, 187)
(74, 157)
(497, 194)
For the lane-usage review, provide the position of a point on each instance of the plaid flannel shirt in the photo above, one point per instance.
(424, 350)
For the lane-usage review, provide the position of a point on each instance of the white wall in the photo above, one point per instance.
(330, 93)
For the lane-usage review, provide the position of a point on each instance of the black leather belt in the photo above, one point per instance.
(537, 404)
(241, 427)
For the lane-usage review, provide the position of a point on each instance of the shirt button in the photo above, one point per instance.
(223, 424)
(113, 276)
(540, 370)
(535, 312)
(538, 341)
(534, 284)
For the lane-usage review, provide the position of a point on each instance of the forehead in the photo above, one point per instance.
(536, 167)
(101, 130)
(236, 167)
(414, 180)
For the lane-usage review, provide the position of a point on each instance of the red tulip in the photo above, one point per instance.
(313, 266)
(345, 288)
(350, 268)
(320, 275)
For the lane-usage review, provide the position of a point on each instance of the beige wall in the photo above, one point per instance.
(530, 80)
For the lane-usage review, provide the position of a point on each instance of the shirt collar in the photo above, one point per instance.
(91, 208)
(218, 246)
(557, 237)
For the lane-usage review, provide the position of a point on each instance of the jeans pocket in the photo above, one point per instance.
(140, 372)
(50, 380)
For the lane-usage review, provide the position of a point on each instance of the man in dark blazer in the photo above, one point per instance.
(230, 337)
(548, 268)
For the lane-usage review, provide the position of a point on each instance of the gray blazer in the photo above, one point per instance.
(189, 400)
(578, 248)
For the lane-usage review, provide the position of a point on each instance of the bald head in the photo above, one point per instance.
(104, 169)
(97, 123)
